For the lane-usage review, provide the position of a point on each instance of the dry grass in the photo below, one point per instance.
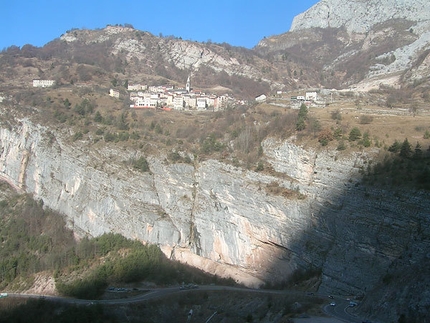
(387, 125)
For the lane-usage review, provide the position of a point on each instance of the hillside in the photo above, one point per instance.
(359, 45)
(256, 192)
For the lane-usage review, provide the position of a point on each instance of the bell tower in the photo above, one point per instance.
(188, 85)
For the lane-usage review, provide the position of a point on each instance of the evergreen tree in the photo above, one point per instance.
(98, 117)
(355, 134)
(406, 149)
(418, 151)
(303, 115)
(366, 140)
(395, 147)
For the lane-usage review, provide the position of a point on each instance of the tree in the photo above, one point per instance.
(79, 109)
(67, 103)
(366, 139)
(98, 117)
(315, 126)
(355, 134)
(418, 151)
(395, 147)
(302, 117)
(303, 112)
(406, 149)
(337, 133)
(301, 124)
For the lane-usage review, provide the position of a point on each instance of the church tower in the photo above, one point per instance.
(188, 85)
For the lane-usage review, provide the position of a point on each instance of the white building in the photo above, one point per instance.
(261, 98)
(178, 102)
(311, 96)
(113, 93)
(43, 83)
(202, 103)
(136, 87)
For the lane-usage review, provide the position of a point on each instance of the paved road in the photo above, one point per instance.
(338, 311)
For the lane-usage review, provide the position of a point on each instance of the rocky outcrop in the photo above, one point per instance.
(363, 44)
(360, 16)
(220, 218)
(184, 55)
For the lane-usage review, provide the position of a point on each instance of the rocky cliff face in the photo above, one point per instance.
(360, 16)
(220, 218)
(362, 44)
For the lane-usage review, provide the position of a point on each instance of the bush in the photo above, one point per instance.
(366, 140)
(141, 164)
(325, 136)
(365, 119)
(355, 134)
(341, 145)
(336, 115)
(77, 136)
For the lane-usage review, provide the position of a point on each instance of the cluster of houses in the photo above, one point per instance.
(309, 96)
(168, 98)
(43, 83)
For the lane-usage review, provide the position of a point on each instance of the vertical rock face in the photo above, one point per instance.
(220, 218)
(360, 15)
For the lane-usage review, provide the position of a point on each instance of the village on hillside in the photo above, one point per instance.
(170, 98)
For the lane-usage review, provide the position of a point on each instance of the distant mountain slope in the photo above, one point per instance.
(345, 45)
(359, 44)
(360, 16)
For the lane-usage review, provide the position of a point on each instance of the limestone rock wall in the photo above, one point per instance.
(360, 15)
(220, 218)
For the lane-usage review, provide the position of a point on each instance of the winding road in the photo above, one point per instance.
(339, 311)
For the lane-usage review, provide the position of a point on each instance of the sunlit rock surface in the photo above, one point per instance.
(219, 217)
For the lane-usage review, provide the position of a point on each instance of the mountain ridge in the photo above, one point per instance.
(359, 16)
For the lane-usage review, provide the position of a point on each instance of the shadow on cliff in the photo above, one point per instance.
(361, 241)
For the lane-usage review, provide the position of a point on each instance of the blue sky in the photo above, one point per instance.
(237, 22)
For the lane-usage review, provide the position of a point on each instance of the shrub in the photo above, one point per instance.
(366, 140)
(109, 137)
(336, 115)
(341, 145)
(325, 136)
(78, 135)
(365, 119)
(337, 133)
(355, 134)
(260, 167)
(141, 164)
